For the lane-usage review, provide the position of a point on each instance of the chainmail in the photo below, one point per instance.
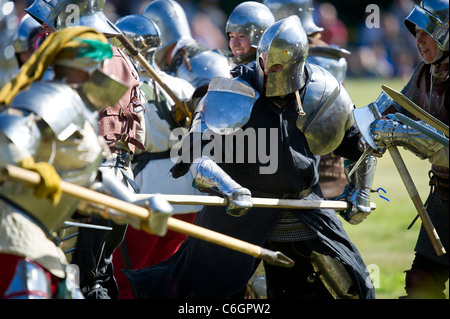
(438, 210)
(410, 90)
(290, 229)
(243, 58)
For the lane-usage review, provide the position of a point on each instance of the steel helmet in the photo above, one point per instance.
(87, 13)
(284, 43)
(44, 11)
(302, 8)
(22, 37)
(250, 18)
(432, 17)
(142, 33)
(172, 22)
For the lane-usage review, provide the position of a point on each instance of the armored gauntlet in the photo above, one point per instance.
(358, 189)
(387, 132)
(210, 178)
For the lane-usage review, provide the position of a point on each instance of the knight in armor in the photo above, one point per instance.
(276, 107)
(330, 57)
(179, 54)
(244, 28)
(428, 88)
(332, 178)
(121, 127)
(151, 167)
(50, 128)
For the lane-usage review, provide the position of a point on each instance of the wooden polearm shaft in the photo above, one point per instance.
(412, 191)
(415, 197)
(143, 214)
(257, 202)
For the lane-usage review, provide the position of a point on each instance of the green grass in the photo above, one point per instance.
(383, 239)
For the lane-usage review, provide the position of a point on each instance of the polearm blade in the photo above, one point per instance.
(143, 214)
(414, 109)
(272, 257)
(207, 200)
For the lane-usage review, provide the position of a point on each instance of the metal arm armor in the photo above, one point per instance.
(357, 192)
(388, 133)
(210, 178)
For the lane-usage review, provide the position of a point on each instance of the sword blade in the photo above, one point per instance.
(414, 109)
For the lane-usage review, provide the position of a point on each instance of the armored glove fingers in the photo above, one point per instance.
(49, 186)
(239, 202)
(357, 191)
(388, 132)
(210, 178)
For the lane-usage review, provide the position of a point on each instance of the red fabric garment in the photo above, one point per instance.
(145, 250)
(7, 270)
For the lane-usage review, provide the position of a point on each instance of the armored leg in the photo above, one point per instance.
(25, 279)
(295, 282)
(426, 279)
(419, 284)
(333, 275)
(29, 281)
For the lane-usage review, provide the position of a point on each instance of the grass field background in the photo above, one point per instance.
(383, 239)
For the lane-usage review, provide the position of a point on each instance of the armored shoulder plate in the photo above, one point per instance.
(227, 105)
(56, 103)
(328, 109)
